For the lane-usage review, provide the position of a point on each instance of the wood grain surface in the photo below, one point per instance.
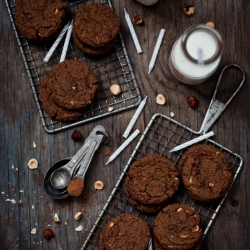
(20, 126)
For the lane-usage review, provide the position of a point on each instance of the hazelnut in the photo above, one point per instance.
(76, 135)
(210, 184)
(193, 102)
(183, 235)
(189, 10)
(56, 11)
(48, 234)
(20, 203)
(160, 99)
(33, 163)
(33, 231)
(196, 229)
(179, 209)
(111, 224)
(78, 216)
(56, 218)
(110, 109)
(115, 89)
(79, 228)
(171, 114)
(13, 201)
(137, 19)
(98, 185)
(210, 24)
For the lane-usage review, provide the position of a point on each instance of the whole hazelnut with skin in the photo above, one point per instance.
(193, 102)
(48, 234)
(76, 135)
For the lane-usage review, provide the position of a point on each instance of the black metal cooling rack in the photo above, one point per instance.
(114, 68)
(160, 136)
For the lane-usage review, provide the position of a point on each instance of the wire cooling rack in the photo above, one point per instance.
(114, 68)
(161, 134)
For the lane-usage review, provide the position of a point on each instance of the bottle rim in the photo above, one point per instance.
(216, 35)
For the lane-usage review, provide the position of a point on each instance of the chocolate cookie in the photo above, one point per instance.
(73, 84)
(96, 25)
(40, 20)
(124, 232)
(90, 50)
(151, 181)
(205, 172)
(177, 227)
(52, 109)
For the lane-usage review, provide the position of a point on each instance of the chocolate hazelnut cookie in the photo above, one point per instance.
(40, 20)
(125, 232)
(52, 109)
(151, 182)
(91, 51)
(96, 25)
(177, 227)
(205, 172)
(73, 84)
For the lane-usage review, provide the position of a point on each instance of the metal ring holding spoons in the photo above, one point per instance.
(61, 177)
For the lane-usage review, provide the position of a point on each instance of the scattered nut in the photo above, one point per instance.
(111, 224)
(56, 218)
(33, 231)
(217, 152)
(48, 234)
(110, 109)
(210, 184)
(160, 99)
(210, 24)
(137, 19)
(79, 228)
(183, 235)
(189, 10)
(115, 89)
(179, 209)
(191, 179)
(193, 102)
(98, 185)
(76, 135)
(56, 11)
(78, 216)
(13, 201)
(171, 114)
(7, 200)
(19, 203)
(33, 163)
(196, 229)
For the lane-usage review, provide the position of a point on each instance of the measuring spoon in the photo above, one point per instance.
(61, 177)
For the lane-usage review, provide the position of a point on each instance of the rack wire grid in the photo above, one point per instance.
(160, 136)
(113, 68)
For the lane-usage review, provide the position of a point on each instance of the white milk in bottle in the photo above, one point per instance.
(196, 54)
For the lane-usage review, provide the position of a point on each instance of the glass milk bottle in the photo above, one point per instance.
(196, 54)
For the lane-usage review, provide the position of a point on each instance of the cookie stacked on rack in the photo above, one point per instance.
(95, 29)
(151, 182)
(67, 90)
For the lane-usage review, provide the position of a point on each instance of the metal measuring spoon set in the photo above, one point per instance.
(62, 172)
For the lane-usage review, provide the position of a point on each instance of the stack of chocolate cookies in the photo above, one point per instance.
(151, 182)
(124, 232)
(95, 29)
(40, 20)
(177, 226)
(67, 90)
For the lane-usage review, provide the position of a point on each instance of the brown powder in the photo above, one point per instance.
(75, 187)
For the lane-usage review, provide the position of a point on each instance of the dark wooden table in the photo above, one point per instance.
(20, 126)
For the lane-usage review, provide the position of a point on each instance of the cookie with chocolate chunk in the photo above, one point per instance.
(151, 182)
(177, 227)
(123, 232)
(72, 84)
(205, 172)
(52, 109)
(96, 25)
(91, 51)
(40, 20)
